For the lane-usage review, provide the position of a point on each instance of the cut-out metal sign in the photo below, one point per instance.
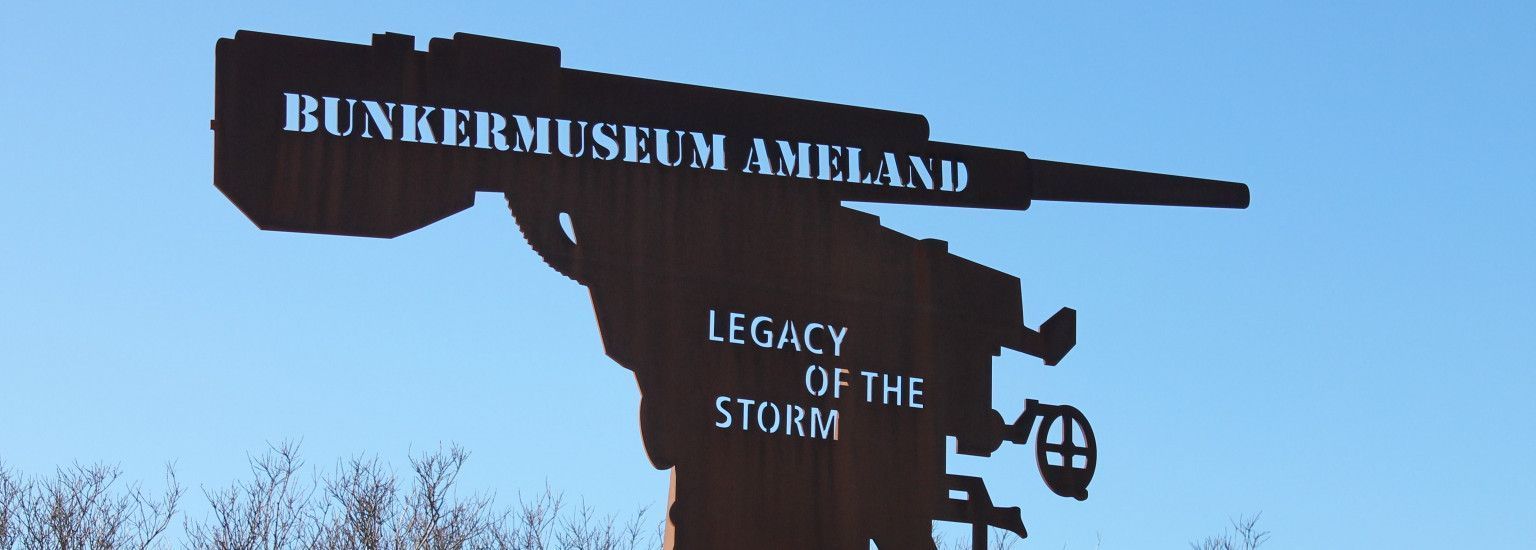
(801, 366)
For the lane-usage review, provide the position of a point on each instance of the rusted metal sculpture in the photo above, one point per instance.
(801, 366)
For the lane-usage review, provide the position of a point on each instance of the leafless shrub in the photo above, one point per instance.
(82, 507)
(361, 509)
(433, 517)
(587, 530)
(270, 511)
(1244, 535)
(531, 525)
(368, 510)
(10, 496)
(997, 539)
(361, 505)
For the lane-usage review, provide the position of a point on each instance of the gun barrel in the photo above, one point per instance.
(382, 139)
(1063, 181)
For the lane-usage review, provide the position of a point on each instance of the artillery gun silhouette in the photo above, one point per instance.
(712, 261)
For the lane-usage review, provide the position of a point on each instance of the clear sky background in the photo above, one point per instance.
(1352, 356)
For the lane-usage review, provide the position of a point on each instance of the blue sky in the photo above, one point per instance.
(1351, 356)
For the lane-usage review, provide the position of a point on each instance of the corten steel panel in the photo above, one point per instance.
(670, 253)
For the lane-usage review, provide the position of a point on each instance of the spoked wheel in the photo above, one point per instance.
(1058, 458)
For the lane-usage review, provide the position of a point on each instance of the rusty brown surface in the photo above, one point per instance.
(670, 253)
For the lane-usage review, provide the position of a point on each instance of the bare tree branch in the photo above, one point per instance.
(1244, 535)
